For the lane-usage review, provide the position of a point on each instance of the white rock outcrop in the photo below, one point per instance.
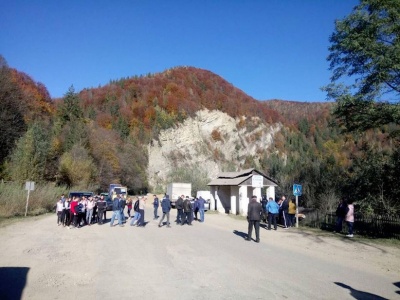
(211, 140)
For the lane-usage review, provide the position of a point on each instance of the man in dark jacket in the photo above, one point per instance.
(187, 211)
(155, 205)
(341, 212)
(264, 202)
(122, 203)
(116, 212)
(101, 208)
(179, 208)
(254, 211)
(166, 207)
(285, 213)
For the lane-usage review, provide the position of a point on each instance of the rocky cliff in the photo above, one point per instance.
(212, 141)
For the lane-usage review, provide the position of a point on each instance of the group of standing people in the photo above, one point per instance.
(187, 211)
(345, 213)
(282, 210)
(272, 210)
(79, 211)
(76, 212)
(118, 207)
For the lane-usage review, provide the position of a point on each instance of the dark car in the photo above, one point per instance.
(109, 204)
(108, 201)
(80, 194)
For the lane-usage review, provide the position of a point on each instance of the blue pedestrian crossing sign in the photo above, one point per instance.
(297, 189)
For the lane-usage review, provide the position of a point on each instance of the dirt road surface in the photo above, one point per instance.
(211, 260)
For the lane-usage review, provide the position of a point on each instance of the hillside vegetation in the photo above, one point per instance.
(103, 135)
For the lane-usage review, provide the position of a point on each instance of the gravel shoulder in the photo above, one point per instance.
(40, 260)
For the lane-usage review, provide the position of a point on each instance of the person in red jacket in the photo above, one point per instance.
(73, 212)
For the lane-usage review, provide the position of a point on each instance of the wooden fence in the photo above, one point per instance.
(377, 226)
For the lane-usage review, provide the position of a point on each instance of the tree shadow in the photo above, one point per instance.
(12, 282)
(356, 294)
(397, 284)
(240, 233)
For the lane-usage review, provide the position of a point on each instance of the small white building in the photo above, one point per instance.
(232, 191)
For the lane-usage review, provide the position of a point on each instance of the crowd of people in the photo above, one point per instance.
(76, 212)
(281, 211)
(80, 211)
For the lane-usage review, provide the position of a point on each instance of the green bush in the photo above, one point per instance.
(13, 199)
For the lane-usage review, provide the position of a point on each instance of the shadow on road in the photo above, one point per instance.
(356, 294)
(240, 233)
(12, 282)
(397, 284)
(317, 237)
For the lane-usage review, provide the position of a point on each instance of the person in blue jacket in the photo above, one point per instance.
(273, 212)
(166, 207)
(155, 206)
(200, 205)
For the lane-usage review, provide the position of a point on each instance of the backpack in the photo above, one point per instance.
(136, 206)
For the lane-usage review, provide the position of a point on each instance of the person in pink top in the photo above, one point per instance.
(350, 218)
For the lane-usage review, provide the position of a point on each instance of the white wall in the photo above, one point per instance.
(235, 200)
(270, 192)
(243, 200)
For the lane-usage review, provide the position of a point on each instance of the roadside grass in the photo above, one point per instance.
(42, 200)
(13, 197)
(356, 238)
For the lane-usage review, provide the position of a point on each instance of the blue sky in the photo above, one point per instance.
(270, 49)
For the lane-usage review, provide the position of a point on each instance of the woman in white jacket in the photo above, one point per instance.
(350, 219)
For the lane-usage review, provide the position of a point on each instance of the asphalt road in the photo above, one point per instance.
(210, 260)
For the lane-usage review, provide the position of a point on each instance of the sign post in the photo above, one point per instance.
(29, 186)
(297, 191)
(257, 181)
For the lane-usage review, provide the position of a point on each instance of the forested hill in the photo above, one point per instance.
(177, 92)
(102, 135)
(293, 112)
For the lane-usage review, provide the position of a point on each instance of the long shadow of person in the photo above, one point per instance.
(397, 284)
(360, 294)
(240, 233)
(12, 282)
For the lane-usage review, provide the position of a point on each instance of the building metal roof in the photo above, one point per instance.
(238, 178)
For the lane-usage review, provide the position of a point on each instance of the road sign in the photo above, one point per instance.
(30, 186)
(297, 189)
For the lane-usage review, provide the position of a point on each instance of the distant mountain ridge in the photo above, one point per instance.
(182, 91)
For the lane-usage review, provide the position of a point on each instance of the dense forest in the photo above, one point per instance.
(100, 135)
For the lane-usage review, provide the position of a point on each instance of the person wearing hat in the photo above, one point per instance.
(254, 211)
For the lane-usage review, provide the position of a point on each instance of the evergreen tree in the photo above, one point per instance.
(365, 48)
